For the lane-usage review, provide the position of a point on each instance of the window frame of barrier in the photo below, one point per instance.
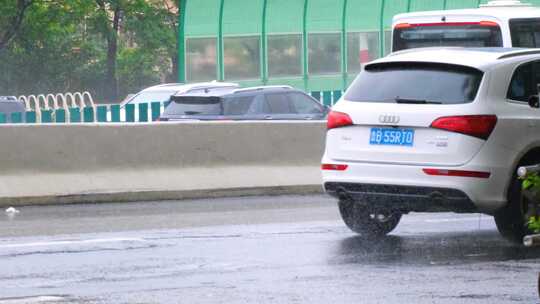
(312, 59)
(257, 72)
(298, 40)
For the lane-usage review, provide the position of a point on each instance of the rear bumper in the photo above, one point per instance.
(391, 181)
(403, 198)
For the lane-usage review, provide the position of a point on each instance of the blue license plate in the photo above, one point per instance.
(391, 137)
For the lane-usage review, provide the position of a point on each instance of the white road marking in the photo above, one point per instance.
(474, 255)
(27, 300)
(449, 220)
(74, 242)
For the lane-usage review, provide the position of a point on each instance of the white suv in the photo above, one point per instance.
(435, 129)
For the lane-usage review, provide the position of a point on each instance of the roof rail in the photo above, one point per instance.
(505, 3)
(427, 48)
(261, 88)
(170, 84)
(520, 53)
(210, 86)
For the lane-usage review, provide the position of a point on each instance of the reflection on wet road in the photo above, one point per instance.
(255, 250)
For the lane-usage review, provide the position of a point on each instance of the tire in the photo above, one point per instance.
(366, 222)
(512, 219)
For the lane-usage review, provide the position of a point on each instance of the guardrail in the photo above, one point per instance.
(80, 108)
(46, 107)
(59, 100)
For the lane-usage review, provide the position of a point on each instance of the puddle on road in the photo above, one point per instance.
(432, 249)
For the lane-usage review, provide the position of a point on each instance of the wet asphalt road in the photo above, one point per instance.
(288, 249)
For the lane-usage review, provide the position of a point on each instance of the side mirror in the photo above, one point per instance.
(534, 102)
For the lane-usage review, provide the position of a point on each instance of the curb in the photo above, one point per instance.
(139, 196)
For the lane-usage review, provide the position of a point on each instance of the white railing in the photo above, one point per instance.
(65, 101)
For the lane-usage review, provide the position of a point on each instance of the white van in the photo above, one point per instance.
(506, 23)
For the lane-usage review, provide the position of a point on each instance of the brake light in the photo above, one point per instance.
(481, 23)
(338, 120)
(334, 167)
(403, 25)
(458, 173)
(479, 126)
(489, 23)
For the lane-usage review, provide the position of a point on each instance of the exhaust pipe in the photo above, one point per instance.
(437, 197)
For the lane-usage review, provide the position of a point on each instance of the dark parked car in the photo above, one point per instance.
(258, 103)
(9, 105)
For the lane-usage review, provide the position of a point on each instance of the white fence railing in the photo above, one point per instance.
(65, 101)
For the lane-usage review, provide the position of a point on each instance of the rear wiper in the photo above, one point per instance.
(415, 101)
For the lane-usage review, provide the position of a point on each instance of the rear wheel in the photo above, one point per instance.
(368, 223)
(512, 219)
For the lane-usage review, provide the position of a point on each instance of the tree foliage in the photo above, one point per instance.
(108, 47)
(13, 13)
(531, 184)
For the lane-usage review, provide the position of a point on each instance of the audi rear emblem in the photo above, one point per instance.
(389, 119)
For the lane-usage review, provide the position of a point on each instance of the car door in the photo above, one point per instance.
(534, 90)
(306, 107)
(524, 84)
(258, 109)
(292, 106)
(239, 107)
(278, 106)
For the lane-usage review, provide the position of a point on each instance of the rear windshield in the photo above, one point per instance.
(152, 96)
(525, 32)
(418, 83)
(194, 105)
(464, 35)
(204, 105)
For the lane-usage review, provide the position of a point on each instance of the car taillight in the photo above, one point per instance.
(338, 120)
(489, 23)
(481, 23)
(479, 126)
(458, 173)
(334, 167)
(403, 25)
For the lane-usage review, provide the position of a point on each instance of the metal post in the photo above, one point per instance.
(444, 4)
(182, 41)
(532, 240)
(305, 64)
(524, 171)
(409, 6)
(344, 46)
(220, 55)
(381, 29)
(264, 48)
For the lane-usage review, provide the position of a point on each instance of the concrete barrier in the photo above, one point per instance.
(44, 164)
